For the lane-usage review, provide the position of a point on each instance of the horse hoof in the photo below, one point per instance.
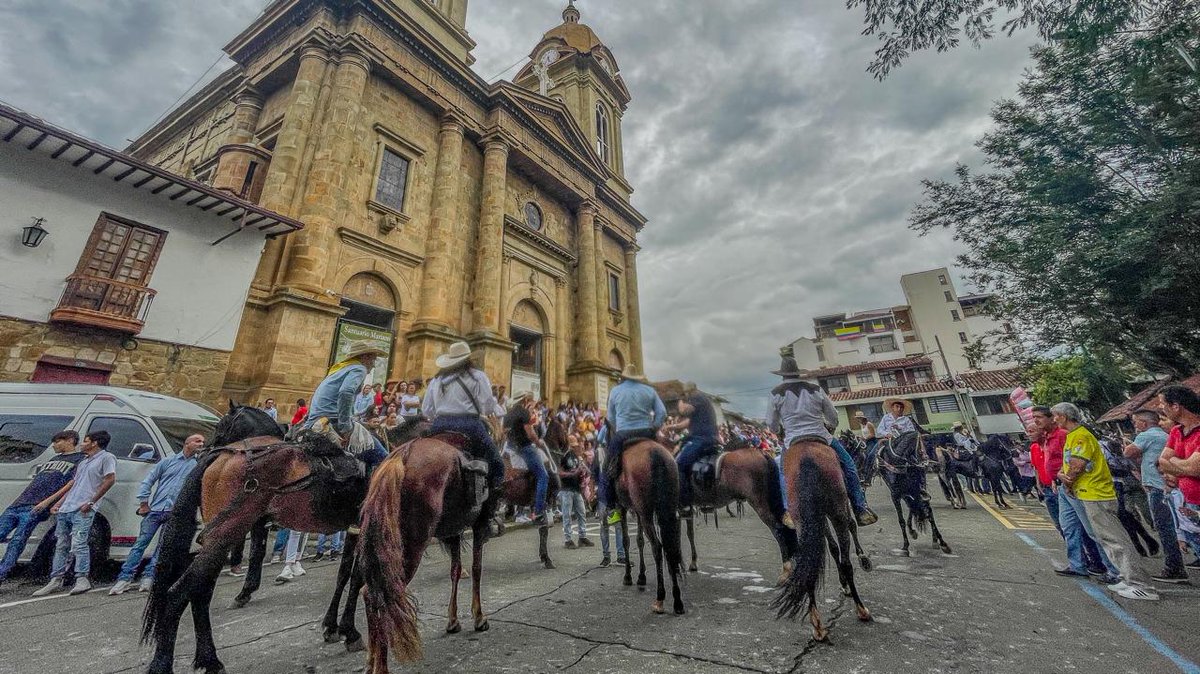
(238, 603)
(332, 637)
(866, 563)
(627, 581)
(642, 581)
(355, 646)
(679, 610)
(845, 591)
(864, 615)
(946, 549)
(454, 628)
(906, 553)
(821, 636)
(548, 564)
(693, 568)
(657, 607)
(483, 626)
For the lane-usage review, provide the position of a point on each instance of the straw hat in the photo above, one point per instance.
(859, 415)
(908, 406)
(788, 369)
(958, 424)
(457, 353)
(363, 347)
(631, 373)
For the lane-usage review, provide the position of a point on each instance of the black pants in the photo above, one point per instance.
(615, 446)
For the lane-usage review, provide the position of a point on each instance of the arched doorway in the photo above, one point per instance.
(370, 316)
(526, 330)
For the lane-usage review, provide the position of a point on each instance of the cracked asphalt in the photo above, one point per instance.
(993, 605)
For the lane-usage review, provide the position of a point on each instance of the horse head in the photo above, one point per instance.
(244, 422)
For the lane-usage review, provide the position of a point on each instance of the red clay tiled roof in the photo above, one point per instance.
(915, 361)
(991, 380)
(983, 380)
(1145, 398)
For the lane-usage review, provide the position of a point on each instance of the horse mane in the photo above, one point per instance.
(243, 422)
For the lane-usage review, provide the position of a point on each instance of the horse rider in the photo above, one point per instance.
(336, 394)
(897, 419)
(521, 425)
(457, 400)
(799, 409)
(699, 418)
(963, 439)
(634, 411)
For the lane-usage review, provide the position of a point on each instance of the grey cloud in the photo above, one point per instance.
(777, 175)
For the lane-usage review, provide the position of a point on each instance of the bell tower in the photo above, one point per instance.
(572, 65)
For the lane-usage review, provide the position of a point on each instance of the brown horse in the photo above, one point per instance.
(520, 490)
(746, 474)
(419, 493)
(234, 487)
(649, 487)
(817, 499)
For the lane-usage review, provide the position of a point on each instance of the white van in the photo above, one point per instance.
(145, 428)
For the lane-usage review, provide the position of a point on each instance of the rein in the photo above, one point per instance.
(254, 457)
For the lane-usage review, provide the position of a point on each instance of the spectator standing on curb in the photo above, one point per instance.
(1180, 459)
(572, 468)
(1087, 481)
(270, 409)
(169, 475)
(1146, 448)
(301, 412)
(76, 510)
(49, 482)
(1083, 556)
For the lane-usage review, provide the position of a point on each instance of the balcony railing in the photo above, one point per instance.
(103, 303)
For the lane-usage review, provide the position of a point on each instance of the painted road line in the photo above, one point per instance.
(58, 595)
(1020, 517)
(1186, 666)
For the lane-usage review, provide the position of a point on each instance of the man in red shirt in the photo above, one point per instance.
(301, 411)
(1180, 459)
(1082, 552)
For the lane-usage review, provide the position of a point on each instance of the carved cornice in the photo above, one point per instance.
(539, 241)
(369, 245)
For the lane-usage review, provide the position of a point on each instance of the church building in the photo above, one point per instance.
(435, 206)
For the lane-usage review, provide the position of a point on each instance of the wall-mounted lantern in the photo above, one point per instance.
(32, 235)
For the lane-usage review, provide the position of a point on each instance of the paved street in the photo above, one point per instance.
(993, 605)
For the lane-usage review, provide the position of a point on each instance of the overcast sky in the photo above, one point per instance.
(776, 174)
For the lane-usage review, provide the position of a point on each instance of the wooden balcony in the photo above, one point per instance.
(103, 303)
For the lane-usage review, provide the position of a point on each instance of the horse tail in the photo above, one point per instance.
(174, 548)
(799, 591)
(391, 611)
(665, 488)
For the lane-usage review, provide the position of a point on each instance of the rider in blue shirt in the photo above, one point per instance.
(635, 411)
(335, 396)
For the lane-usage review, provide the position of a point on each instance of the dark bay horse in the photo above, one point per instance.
(817, 500)
(746, 474)
(902, 463)
(419, 493)
(649, 487)
(233, 487)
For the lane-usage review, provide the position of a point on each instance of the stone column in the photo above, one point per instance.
(328, 177)
(439, 304)
(589, 346)
(489, 259)
(284, 173)
(601, 296)
(562, 343)
(235, 156)
(505, 289)
(633, 312)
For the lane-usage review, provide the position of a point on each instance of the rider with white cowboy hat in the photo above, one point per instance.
(799, 409)
(457, 400)
(634, 411)
(334, 397)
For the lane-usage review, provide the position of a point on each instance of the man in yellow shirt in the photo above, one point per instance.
(1087, 480)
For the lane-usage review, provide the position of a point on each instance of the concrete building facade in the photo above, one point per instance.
(916, 351)
(437, 206)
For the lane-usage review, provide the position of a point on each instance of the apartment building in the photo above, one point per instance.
(917, 351)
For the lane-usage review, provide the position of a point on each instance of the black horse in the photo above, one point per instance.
(996, 457)
(902, 464)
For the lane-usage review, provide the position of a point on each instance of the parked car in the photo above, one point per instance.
(145, 428)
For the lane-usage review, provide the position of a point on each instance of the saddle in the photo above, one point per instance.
(472, 468)
(706, 472)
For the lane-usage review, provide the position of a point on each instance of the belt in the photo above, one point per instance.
(464, 415)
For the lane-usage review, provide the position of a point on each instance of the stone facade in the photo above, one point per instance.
(322, 93)
(183, 371)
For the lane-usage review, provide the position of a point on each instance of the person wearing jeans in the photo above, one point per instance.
(520, 423)
(1146, 448)
(166, 479)
(50, 481)
(604, 512)
(76, 510)
(572, 468)
(331, 543)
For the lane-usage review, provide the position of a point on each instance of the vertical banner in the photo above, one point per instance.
(1023, 404)
(348, 333)
(602, 384)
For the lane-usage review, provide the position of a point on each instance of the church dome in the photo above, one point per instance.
(578, 36)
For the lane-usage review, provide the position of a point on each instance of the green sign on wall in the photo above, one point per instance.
(348, 333)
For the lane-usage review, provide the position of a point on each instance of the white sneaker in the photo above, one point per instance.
(82, 584)
(146, 584)
(1119, 587)
(285, 576)
(298, 570)
(1134, 592)
(55, 585)
(121, 587)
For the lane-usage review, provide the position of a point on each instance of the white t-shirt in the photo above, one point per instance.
(89, 473)
(410, 405)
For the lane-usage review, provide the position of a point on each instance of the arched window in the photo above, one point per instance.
(603, 145)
